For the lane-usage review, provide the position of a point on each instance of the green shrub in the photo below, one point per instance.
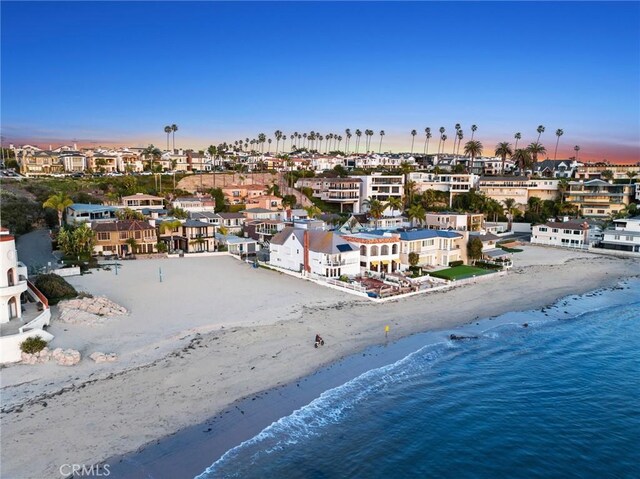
(485, 265)
(54, 287)
(456, 263)
(33, 345)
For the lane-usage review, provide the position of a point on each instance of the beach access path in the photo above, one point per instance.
(216, 330)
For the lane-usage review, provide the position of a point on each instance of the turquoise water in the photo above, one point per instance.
(560, 398)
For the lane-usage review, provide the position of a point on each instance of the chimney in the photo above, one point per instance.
(305, 240)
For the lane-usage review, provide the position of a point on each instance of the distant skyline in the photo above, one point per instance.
(117, 73)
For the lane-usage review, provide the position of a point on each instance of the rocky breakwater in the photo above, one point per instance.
(88, 310)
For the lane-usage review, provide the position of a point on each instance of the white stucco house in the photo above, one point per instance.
(24, 311)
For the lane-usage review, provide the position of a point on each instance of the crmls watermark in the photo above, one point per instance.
(83, 470)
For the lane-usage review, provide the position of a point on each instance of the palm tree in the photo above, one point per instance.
(133, 245)
(536, 149)
(441, 130)
(427, 135)
(517, 136)
(153, 152)
(460, 136)
(376, 209)
(304, 139)
(167, 130)
(510, 210)
(563, 187)
(576, 149)
(269, 148)
(631, 175)
(381, 136)
(347, 135)
(312, 211)
(413, 139)
(523, 158)
(59, 202)
(339, 140)
(416, 212)
(284, 142)
(262, 138)
(540, 131)
(278, 136)
(170, 225)
(358, 135)
(607, 175)
(409, 190)
(444, 139)
(559, 133)
(503, 150)
(455, 137)
(473, 131)
(394, 203)
(174, 128)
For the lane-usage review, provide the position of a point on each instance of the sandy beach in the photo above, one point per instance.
(216, 331)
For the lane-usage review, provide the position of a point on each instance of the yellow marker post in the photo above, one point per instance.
(386, 331)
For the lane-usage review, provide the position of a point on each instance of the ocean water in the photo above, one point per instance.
(559, 398)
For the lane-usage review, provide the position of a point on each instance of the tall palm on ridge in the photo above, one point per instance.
(174, 128)
(503, 150)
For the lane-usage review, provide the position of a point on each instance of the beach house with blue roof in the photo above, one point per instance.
(434, 247)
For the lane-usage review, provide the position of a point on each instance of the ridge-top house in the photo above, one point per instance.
(141, 201)
(316, 252)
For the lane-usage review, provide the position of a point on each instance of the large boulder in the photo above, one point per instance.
(103, 358)
(67, 357)
(37, 358)
(89, 310)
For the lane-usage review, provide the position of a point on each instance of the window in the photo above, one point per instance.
(123, 235)
(543, 229)
(104, 236)
(554, 230)
(576, 232)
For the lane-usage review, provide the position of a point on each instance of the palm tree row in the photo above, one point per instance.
(313, 141)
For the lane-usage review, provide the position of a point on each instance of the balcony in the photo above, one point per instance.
(18, 288)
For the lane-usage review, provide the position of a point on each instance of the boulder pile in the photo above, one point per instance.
(66, 357)
(89, 310)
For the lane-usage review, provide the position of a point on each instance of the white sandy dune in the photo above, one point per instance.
(216, 330)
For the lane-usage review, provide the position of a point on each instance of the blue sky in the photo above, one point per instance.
(118, 72)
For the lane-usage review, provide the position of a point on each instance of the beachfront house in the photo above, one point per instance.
(125, 237)
(197, 236)
(24, 310)
(233, 222)
(236, 245)
(379, 251)
(434, 247)
(315, 252)
(624, 236)
(567, 234)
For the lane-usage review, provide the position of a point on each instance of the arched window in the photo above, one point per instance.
(374, 250)
(394, 249)
(10, 280)
(363, 250)
(384, 250)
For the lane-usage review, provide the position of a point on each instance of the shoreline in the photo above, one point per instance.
(189, 452)
(139, 407)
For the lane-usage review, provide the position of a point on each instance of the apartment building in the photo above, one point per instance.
(599, 198)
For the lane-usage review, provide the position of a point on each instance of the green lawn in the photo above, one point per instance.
(460, 272)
